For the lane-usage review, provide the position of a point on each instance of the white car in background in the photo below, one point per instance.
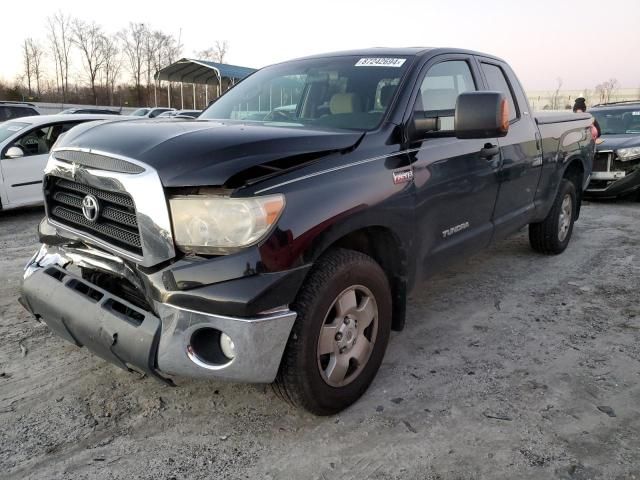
(180, 114)
(150, 112)
(24, 149)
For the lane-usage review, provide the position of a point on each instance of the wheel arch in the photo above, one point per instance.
(384, 245)
(574, 170)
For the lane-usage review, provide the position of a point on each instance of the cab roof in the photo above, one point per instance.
(397, 51)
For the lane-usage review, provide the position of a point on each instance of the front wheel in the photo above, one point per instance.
(340, 335)
(552, 235)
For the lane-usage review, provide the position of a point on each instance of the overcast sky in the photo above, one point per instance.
(582, 41)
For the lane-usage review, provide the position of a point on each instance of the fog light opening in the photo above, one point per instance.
(227, 346)
(210, 348)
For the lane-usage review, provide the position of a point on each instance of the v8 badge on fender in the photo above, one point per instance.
(402, 176)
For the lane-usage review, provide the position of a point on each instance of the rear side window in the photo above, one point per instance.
(497, 81)
(17, 112)
(440, 89)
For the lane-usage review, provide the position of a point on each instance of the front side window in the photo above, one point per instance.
(497, 81)
(34, 142)
(40, 140)
(439, 92)
(346, 92)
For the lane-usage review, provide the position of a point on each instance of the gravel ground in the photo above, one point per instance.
(512, 365)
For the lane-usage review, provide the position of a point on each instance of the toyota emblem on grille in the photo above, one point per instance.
(90, 208)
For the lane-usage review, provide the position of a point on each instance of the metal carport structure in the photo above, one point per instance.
(200, 72)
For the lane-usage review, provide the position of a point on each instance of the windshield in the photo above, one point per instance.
(7, 129)
(618, 121)
(347, 92)
(141, 112)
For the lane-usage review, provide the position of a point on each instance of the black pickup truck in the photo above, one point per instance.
(276, 238)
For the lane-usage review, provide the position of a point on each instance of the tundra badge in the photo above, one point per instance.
(458, 228)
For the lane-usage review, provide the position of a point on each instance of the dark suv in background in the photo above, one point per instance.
(616, 168)
(10, 110)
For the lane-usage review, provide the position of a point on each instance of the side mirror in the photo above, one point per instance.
(14, 152)
(481, 115)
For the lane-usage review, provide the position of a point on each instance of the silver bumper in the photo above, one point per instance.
(159, 342)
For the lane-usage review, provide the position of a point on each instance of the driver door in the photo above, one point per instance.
(456, 186)
(23, 174)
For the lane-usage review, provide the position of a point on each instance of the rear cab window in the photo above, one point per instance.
(497, 81)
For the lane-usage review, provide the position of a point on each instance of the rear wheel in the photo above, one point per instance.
(338, 341)
(552, 235)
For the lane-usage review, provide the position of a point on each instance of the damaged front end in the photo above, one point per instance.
(614, 175)
(95, 299)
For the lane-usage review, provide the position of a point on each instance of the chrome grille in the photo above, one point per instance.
(116, 224)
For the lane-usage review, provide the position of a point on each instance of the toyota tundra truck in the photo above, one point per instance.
(276, 238)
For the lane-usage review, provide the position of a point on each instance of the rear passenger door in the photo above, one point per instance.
(456, 185)
(520, 150)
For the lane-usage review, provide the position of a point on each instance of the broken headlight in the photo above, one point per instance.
(628, 153)
(218, 225)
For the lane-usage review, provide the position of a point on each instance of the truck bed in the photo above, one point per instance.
(544, 118)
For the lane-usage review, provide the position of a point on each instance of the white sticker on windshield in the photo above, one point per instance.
(380, 62)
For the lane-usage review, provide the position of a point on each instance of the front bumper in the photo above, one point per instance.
(613, 178)
(159, 343)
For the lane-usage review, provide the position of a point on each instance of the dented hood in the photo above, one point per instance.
(206, 153)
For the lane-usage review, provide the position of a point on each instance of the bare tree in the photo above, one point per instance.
(606, 89)
(112, 65)
(157, 56)
(170, 50)
(216, 53)
(133, 43)
(555, 98)
(60, 38)
(612, 86)
(222, 48)
(90, 40)
(28, 64)
(154, 45)
(36, 52)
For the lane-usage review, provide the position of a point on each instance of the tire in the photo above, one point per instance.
(552, 235)
(312, 367)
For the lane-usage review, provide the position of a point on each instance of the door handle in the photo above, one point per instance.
(489, 151)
